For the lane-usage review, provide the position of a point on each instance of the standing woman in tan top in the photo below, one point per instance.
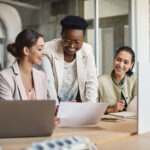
(21, 81)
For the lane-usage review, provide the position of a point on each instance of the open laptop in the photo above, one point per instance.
(26, 118)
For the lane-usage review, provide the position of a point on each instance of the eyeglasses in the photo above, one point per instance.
(76, 43)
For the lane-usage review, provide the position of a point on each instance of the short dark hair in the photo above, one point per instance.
(26, 38)
(129, 50)
(73, 22)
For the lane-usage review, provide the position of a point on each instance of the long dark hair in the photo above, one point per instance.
(129, 50)
(26, 38)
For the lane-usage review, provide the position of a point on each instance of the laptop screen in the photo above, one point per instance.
(26, 118)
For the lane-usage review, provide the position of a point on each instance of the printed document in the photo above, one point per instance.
(132, 107)
(80, 114)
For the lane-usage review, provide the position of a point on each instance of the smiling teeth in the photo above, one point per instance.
(71, 49)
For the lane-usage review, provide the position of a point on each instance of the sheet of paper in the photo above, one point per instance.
(132, 107)
(131, 110)
(80, 114)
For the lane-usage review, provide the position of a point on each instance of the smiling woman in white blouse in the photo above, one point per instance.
(69, 64)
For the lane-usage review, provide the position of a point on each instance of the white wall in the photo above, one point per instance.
(142, 44)
(107, 48)
(143, 97)
(90, 40)
(106, 8)
(126, 35)
(12, 22)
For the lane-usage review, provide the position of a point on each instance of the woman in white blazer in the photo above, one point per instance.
(21, 81)
(69, 64)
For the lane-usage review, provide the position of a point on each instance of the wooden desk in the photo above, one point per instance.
(103, 133)
(137, 142)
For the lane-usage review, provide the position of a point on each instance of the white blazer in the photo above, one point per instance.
(12, 88)
(53, 66)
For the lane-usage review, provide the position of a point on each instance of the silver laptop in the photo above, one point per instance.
(26, 118)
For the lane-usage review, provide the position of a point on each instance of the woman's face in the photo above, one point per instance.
(37, 52)
(122, 63)
(72, 40)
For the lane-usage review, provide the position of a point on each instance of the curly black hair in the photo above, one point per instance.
(73, 22)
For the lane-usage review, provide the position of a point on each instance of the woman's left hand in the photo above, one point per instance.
(56, 122)
(73, 100)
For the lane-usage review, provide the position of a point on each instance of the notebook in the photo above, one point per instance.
(124, 114)
(26, 118)
(131, 110)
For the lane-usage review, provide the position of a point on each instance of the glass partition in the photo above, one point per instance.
(44, 16)
(114, 25)
(113, 29)
(2, 45)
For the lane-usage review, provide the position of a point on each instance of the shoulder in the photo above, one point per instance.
(87, 45)
(40, 73)
(52, 45)
(6, 72)
(40, 78)
(7, 77)
(87, 49)
(104, 77)
(132, 78)
(105, 82)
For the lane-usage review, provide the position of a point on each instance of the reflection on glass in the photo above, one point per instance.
(113, 28)
(2, 44)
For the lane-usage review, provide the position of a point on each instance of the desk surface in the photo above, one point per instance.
(137, 142)
(103, 133)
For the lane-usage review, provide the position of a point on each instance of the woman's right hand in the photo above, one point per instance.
(118, 107)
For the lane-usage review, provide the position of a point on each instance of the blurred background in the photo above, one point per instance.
(114, 18)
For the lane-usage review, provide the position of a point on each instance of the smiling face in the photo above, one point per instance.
(72, 41)
(122, 63)
(36, 52)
